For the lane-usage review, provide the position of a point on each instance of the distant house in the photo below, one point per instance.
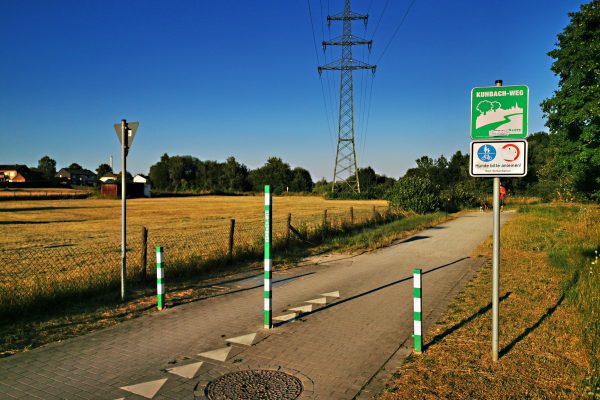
(139, 178)
(19, 173)
(109, 177)
(77, 176)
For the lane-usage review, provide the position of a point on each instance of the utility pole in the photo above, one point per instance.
(346, 167)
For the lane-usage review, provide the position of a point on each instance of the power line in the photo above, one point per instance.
(368, 115)
(369, 9)
(380, 18)
(396, 31)
(313, 31)
(318, 62)
(321, 10)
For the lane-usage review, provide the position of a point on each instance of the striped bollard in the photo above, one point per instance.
(160, 274)
(268, 317)
(417, 336)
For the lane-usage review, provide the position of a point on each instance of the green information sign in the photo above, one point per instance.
(499, 112)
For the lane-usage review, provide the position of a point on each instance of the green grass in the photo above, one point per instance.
(572, 244)
(386, 234)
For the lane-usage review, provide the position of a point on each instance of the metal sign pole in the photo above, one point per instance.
(496, 264)
(125, 132)
(123, 207)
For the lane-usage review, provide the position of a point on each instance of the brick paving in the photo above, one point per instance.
(342, 350)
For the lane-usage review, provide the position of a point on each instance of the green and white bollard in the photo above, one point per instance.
(268, 317)
(160, 275)
(418, 335)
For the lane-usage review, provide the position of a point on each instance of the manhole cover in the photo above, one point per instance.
(254, 385)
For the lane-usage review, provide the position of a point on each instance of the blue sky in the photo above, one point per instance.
(221, 78)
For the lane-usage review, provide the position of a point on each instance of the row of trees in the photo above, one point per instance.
(187, 173)
(47, 167)
(445, 182)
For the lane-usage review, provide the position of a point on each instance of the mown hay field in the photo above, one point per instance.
(94, 222)
(71, 247)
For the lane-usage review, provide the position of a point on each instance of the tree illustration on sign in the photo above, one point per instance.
(503, 119)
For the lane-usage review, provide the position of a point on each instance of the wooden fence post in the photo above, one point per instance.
(144, 253)
(375, 215)
(325, 219)
(231, 232)
(352, 216)
(288, 229)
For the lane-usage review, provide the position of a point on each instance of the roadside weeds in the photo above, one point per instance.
(549, 329)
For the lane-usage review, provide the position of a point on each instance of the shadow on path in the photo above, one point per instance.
(415, 238)
(481, 311)
(275, 282)
(328, 306)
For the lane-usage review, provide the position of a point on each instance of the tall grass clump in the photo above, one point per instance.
(572, 244)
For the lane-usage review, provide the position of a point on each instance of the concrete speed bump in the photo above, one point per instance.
(219, 354)
(286, 317)
(320, 301)
(302, 309)
(186, 371)
(246, 340)
(146, 389)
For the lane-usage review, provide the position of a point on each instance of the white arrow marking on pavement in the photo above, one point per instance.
(335, 294)
(186, 371)
(286, 317)
(246, 340)
(321, 300)
(302, 309)
(146, 389)
(219, 354)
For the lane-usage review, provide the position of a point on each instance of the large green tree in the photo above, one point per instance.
(159, 173)
(301, 181)
(47, 167)
(103, 169)
(573, 112)
(235, 176)
(275, 173)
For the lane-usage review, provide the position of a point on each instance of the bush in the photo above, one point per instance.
(415, 193)
(462, 195)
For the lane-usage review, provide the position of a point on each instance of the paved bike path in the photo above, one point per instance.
(335, 350)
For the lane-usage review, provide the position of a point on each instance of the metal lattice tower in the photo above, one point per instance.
(346, 168)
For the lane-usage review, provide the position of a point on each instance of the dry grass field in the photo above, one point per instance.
(40, 193)
(64, 247)
(549, 325)
(97, 222)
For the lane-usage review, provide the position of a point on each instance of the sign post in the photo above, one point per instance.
(125, 133)
(498, 117)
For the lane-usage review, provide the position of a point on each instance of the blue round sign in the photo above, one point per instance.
(486, 153)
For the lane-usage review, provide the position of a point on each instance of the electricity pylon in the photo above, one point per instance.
(346, 167)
